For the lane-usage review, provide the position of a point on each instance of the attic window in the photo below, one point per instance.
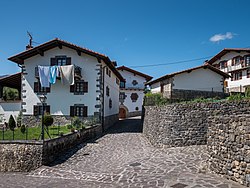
(134, 82)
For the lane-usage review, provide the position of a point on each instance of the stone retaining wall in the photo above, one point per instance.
(21, 156)
(223, 126)
(24, 156)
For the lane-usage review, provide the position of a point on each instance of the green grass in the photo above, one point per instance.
(33, 133)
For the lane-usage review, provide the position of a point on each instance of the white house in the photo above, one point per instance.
(235, 62)
(131, 91)
(10, 107)
(94, 94)
(203, 81)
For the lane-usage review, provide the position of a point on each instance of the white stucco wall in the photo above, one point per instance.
(9, 108)
(113, 94)
(60, 99)
(235, 83)
(155, 88)
(130, 77)
(128, 101)
(199, 79)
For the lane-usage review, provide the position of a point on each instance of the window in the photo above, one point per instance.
(134, 97)
(108, 72)
(223, 64)
(79, 88)
(110, 103)
(122, 84)
(248, 73)
(107, 91)
(122, 96)
(39, 89)
(236, 75)
(60, 61)
(38, 109)
(247, 60)
(117, 81)
(237, 60)
(134, 82)
(79, 110)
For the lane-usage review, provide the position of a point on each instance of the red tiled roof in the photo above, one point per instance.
(135, 72)
(225, 75)
(225, 51)
(20, 57)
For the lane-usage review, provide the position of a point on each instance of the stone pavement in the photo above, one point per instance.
(123, 158)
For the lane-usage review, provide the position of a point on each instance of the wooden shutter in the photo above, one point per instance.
(72, 88)
(36, 110)
(240, 75)
(68, 61)
(72, 111)
(85, 111)
(53, 61)
(85, 87)
(36, 87)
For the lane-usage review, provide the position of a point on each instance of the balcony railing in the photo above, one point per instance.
(78, 72)
(235, 67)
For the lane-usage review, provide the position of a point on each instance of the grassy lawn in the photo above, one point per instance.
(33, 133)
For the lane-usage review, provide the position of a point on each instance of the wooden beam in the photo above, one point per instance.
(78, 52)
(20, 61)
(40, 52)
(59, 45)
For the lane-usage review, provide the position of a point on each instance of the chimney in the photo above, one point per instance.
(28, 47)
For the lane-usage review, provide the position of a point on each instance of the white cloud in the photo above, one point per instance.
(220, 37)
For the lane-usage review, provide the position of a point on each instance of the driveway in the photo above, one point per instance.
(123, 158)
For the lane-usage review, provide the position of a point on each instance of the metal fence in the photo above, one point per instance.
(30, 133)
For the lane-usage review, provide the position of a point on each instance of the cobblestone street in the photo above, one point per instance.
(123, 158)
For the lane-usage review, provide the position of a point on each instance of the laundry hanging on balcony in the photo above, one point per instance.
(67, 74)
(44, 74)
(54, 72)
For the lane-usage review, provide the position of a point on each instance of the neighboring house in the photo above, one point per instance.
(235, 62)
(87, 99)
(203, 81)
(10, 107)
(131, 92)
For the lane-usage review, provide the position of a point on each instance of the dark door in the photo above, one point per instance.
(122, 113)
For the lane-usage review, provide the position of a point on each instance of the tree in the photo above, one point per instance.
(10, 93)
(48, 120)
(12, 124)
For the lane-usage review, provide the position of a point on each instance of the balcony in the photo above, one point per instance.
(78, 73)
(242, 66)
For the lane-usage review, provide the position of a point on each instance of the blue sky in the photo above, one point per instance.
(132, 32)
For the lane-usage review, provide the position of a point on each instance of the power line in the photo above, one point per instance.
(171, 63)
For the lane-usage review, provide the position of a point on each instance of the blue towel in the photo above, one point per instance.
(44, 73)
(52, 75)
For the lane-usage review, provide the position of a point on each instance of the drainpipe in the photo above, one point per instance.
(103, 95)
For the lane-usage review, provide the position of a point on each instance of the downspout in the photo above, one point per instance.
(103, 95)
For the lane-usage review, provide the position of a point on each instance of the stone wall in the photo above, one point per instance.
(55, 147)
(193, 94)
(135, 113)
(229, 146)
(21, 156)
(223, 126)
(110, 120)
(24, 156)
(175, 125)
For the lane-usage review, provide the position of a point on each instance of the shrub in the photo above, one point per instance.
(23, 129)
(76, 123)
(48, 120)
(12, 123)
(247, 93)
(19, 119)
(155, 99)
(69, 126)
(233, 97)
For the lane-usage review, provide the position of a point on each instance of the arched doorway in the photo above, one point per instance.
(123, 111)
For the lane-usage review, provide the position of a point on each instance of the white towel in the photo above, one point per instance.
(44, 75)
(67, 74)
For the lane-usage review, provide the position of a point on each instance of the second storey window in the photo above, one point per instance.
(122, 84)
(247, 60)
(60, 61)
(107, 91)
(223, 64)
(236, 75)
(39, 89)
(237, 60)
(79, 110)
(79, 88)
